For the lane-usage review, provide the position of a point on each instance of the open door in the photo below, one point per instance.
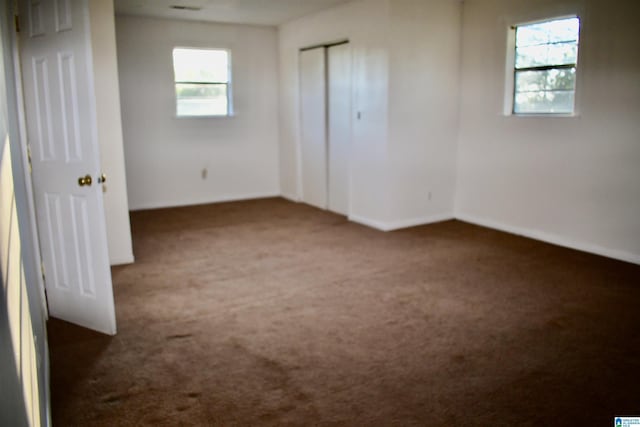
(55, 55)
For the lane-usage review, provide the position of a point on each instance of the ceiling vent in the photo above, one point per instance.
(181, 7)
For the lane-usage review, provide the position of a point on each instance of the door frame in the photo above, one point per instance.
(24, 203)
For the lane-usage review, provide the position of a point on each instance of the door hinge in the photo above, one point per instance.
(29, 158)
(42, 270)
(17, 22)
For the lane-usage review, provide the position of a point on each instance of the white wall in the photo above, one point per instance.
(165, 156)
(405, 75)
(423, 109)
(105, 66)
(573, 181)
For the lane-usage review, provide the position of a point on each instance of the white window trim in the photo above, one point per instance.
(230, 104)
(510, 64)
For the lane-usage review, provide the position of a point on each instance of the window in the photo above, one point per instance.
(202, 82)
(546, 56)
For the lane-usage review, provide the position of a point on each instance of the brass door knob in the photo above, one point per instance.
(85, 180)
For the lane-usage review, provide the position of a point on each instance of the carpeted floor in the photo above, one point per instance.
(272, 313)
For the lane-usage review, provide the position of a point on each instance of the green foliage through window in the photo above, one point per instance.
(546, 58)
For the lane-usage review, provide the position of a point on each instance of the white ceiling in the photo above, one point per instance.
(261, 12)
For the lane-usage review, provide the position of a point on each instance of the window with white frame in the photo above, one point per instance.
(202, 82)
(546, 58)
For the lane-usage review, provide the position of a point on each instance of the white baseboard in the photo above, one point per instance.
(129, 259)
(220, 199)
(551, 238)
(378, 225)
(290, 197)
(431, 219)
(412, 222)
(397, 225)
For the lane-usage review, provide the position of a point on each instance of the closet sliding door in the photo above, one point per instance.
(313, 112)
(325, 111)
(339, 126)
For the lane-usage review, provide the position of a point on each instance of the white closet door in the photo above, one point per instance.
(339, 125)
(314, 127)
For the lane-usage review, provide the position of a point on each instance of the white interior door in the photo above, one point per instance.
(313, 147)
(61, 129)
(339, 126)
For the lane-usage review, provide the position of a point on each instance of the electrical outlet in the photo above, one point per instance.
(205, 172)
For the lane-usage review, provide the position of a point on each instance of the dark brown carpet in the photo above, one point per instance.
(272, 313)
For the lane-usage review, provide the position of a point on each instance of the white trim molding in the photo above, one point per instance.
(223, 199)
(397, 225)
(290, 197)
(123, 260)
(554, 239)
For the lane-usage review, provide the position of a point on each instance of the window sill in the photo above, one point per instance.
(544, 115)
(225, 116)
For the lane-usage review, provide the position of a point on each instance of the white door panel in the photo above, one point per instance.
(61, 128)
(313, 147)
(339, 125)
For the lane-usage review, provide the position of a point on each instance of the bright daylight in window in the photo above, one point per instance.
(202, 82)
(545, 67)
